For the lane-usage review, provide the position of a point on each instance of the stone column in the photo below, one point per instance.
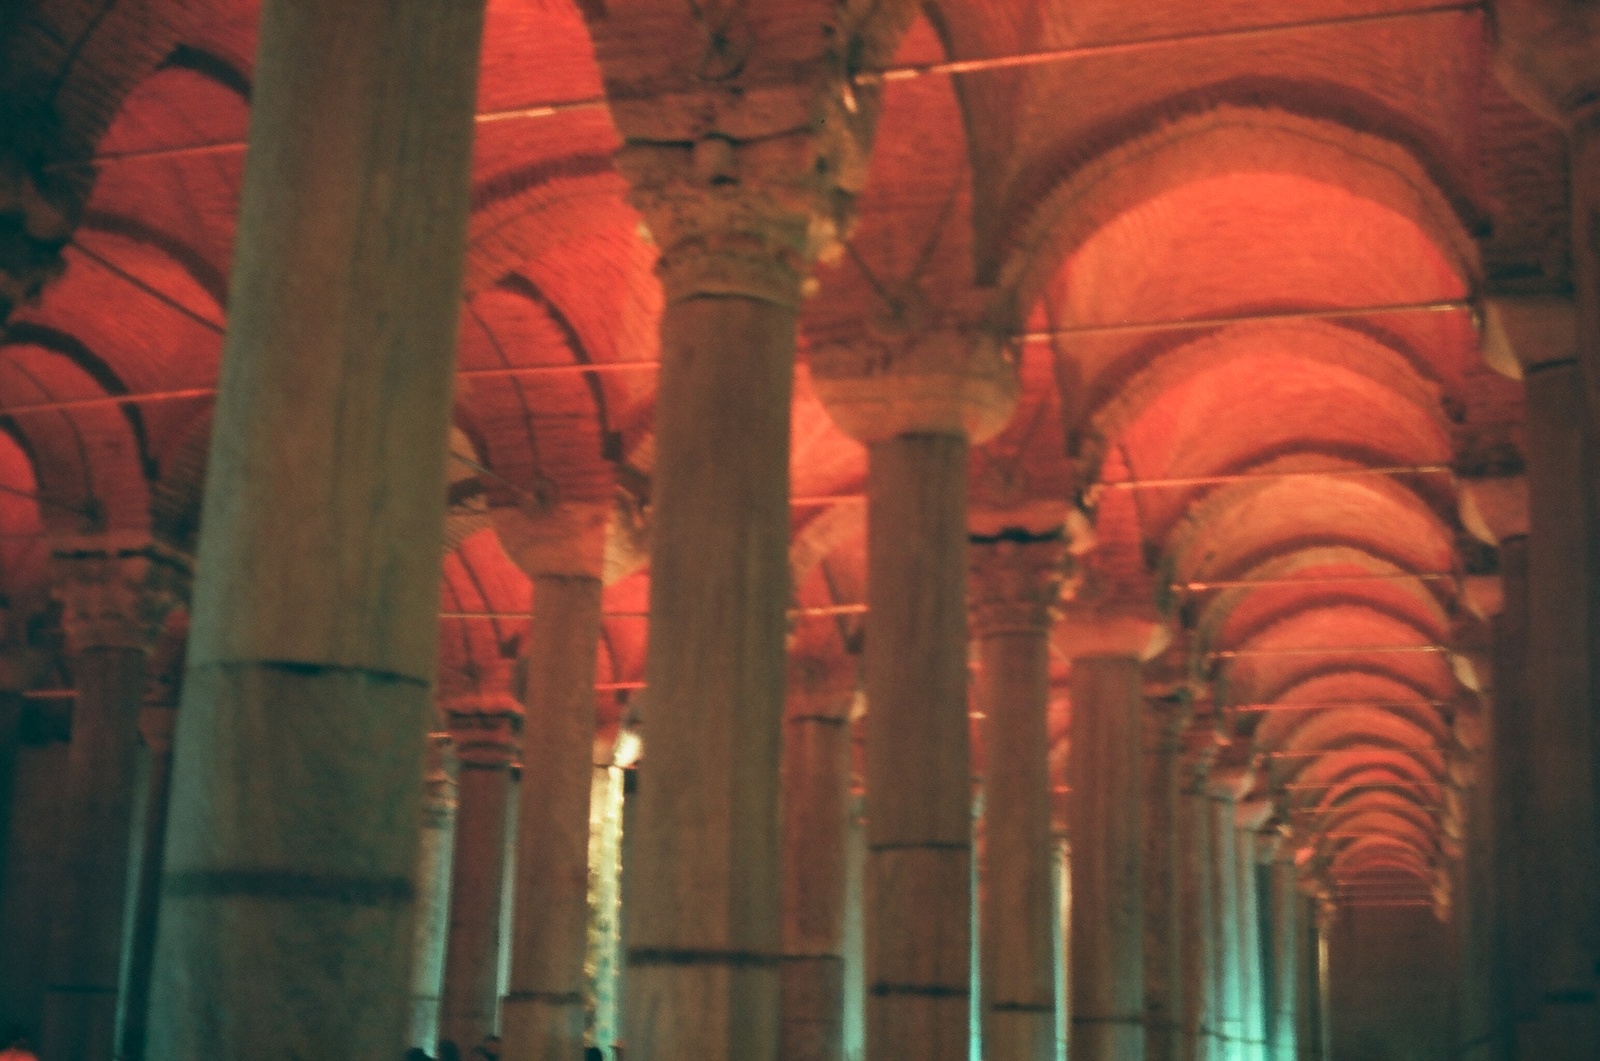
(116, 594)
(157, 722)
(917, 405)
(1283, 1026)
(1249, 819)
(1106, 818)
(432, 930)
(1196, 925)
(1016, 583)
(816, 820)
(1226, 786)
(484, 729)
(1561, 871)
(288, 895)
(563, 551)
(1164, 941)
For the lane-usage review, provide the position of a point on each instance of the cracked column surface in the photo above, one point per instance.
(288, 892)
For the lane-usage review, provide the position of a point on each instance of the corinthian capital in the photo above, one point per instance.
(1015, 584)
(116, 593)
(1548, 55)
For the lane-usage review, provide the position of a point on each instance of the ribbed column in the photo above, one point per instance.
(918, 404)
(484, 730)
(157, 723)
(288, 893)
(115, 593)
(816, 821)
(432, 929)
(1164, 941)
(1248, 820)
(1015, 585)
(1106, 818)
(542, 1014)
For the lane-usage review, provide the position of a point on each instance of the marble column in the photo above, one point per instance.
(1226, 785)
(484, 729)
(1106, 819)
(432, 929)
(1196, 925)
(288, 898)
(563, 551)
(1016, 582)
(939, 392)
(157, 722)
(1164, 941)
(816, 821)
(1287, 931)
(116, 593)
(1249, 818)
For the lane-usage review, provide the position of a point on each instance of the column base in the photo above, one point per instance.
(1107, 1039)
(541, 1026)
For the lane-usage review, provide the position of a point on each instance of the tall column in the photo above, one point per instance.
(816, 819)
(157, 722)
(1284, 895)
(288, 895)
(116, 595)
(1106, 817)
(1015, 587)
(1249, 819)
(432, 929)
(563, 552)
(1562, 869)
(1196, 924)
(1225, 785)
(484, 729)
(1164, 941)
(917, 406)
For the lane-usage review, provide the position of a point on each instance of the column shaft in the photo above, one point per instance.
(1250, 966)
(1286, 958)
(1019, 908)
(485, 742)
(816, 813)
(1163, 936)
(288, 894)
(1106, 819)
(703, 931)
(156, 724)
(543, 1013)
(1229, 950)
(86, 919)
(1565, 850)
(919, 792)
(432, 929)
(1510, 781)
(1196, 926)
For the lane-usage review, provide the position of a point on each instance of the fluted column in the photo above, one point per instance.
(562, 549)
(115, 593)
(157, 723)
(917, 404)
(288, 894)
(1015, 585)
(1106, 818)
(484, 728)
(816, 820)
(1287, 930)
(432, 929)
(1249, 818)
(1164, 940)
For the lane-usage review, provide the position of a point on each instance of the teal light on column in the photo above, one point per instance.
(602, 1024)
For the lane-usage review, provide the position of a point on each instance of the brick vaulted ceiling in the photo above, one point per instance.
(1256, 166)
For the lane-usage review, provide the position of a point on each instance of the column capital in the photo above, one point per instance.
(1495, 509)
(116, 592)
(1523, 333)
(562, 538)
(485, 728)
(1231, 782)
(438, 787)
(1015, 583)
(1547, 54)
(1091, 629)
(947, 379)
(1251, 815)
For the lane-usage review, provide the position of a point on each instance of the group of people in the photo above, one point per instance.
(488, 1050)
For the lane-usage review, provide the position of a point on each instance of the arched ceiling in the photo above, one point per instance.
(1235, 242)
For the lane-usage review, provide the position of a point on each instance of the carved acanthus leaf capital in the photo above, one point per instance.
(117, 593)
(1015, 584)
